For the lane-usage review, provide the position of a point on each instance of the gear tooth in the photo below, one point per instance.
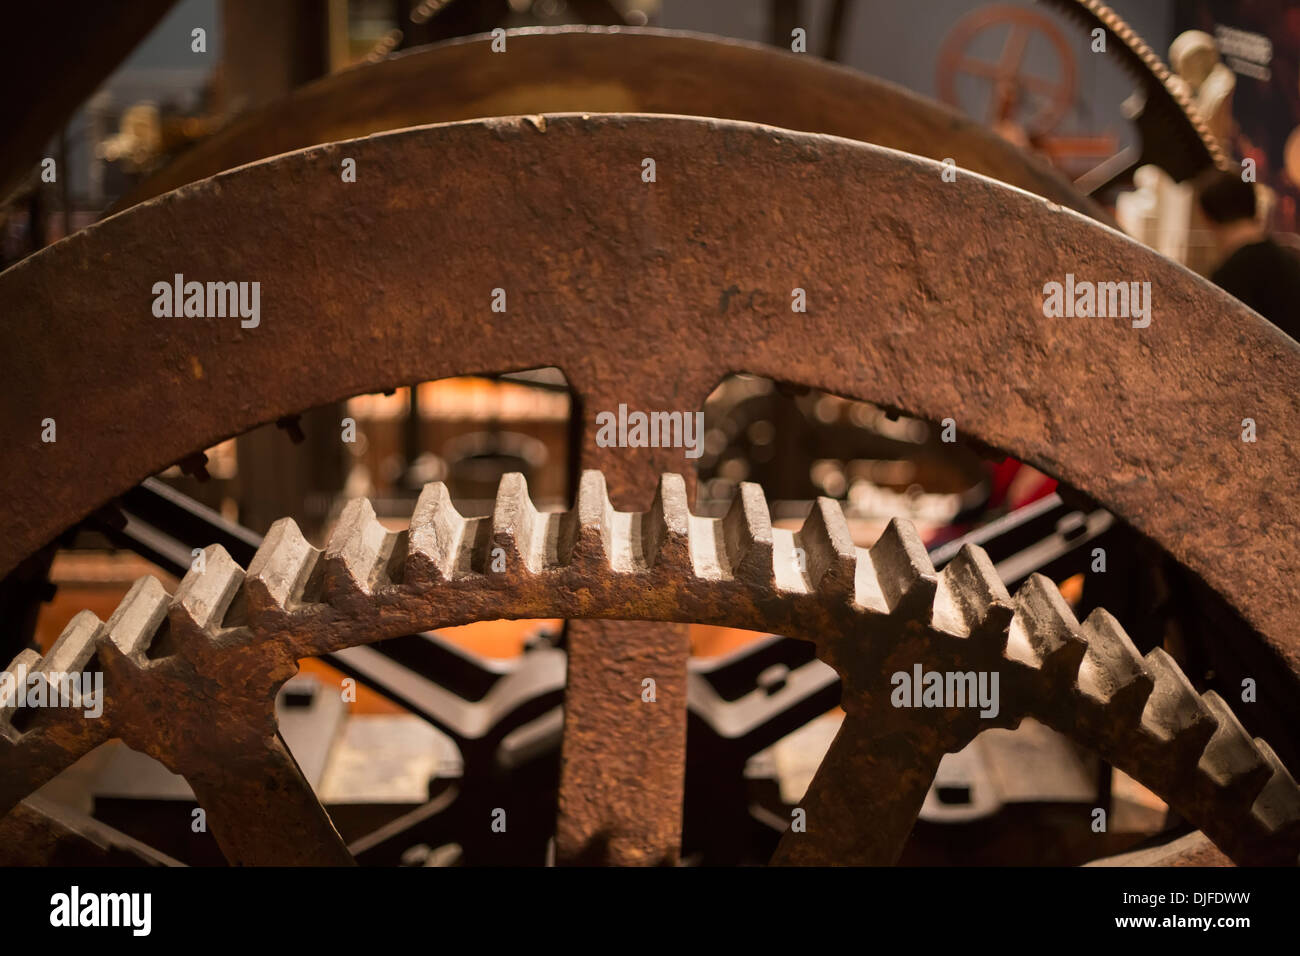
(830, 556)
(280, 568)
(518, 529)
(898, 571)
(201, 601)
(27, 661)
(970, 599)
(1112, 672)
(436, 538)
(1045, 633)
(75, 646)
(747, 537)
(357, 553)
(1230, 758)
(1277, 807)
(70, 654)
(665, 530)
(135, 622)
(1175, 713)
(587, 532)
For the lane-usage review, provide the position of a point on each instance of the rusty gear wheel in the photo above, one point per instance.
(191, 679)
(922, 301)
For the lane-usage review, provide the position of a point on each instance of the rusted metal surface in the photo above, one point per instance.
(922, 296)
(41, 832)
(233, 637)
(593, 69)
(623, 760)
(1194, 849)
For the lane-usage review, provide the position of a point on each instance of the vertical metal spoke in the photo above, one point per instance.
(623, 769)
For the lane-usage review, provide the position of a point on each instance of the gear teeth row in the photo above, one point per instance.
(1196, 739)
(1092, 676)
(443, 545)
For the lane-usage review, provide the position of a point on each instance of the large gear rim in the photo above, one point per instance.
(604, 69)
(212, 657)
(858, 240)
(395, 92)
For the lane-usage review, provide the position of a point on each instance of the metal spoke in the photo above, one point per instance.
(261, 809)
(865, 797)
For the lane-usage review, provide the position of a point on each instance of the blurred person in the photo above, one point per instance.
(1194, 57)
(1253, 266)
